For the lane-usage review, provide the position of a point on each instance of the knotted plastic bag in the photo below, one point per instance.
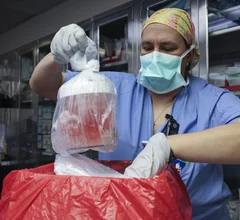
(80, 165)
(85, 115)
(148, 163)
(87, 60)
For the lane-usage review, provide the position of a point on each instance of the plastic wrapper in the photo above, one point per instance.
(233, 75)
(79, 165)
(147, 164)
(40, 194)
(85, 115)
(81, 61)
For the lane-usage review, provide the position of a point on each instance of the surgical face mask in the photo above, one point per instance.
(161, 73)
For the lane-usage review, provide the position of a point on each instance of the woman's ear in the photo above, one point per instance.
(187, 60)
(189, 56)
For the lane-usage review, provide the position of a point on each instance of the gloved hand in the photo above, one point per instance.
(67, 41)
(151, 159)
(71, 43)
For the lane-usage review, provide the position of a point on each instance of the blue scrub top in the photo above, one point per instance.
(197, 107)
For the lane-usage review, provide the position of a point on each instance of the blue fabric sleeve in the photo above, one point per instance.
(228, 108)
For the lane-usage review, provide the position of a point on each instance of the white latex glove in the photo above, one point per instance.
(68, 41)
(151, 159)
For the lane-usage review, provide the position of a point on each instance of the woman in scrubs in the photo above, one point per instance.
(209, 131)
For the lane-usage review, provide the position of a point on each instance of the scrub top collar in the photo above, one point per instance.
(179, 96)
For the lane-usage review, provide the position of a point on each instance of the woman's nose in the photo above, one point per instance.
(156, 48)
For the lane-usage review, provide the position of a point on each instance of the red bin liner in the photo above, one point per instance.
(40, 194)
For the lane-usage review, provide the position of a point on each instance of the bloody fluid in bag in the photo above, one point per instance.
(85, 116)
(89, 125)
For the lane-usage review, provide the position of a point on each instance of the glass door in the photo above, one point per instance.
(113, 37)
(224, 47)
(27, 108)
(9, 112)
(151, 6)
(45, 111)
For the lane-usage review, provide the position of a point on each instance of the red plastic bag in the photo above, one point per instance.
(40, 194)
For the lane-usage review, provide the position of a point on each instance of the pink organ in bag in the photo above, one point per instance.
(85, 115)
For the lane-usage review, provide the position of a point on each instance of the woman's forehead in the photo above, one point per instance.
(161, 32)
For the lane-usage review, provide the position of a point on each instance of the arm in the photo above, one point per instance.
(219, 145)
(47, 77)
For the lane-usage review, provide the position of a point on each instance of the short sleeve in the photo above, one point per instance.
(227, 108)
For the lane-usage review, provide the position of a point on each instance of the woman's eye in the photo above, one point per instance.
(147, 48)
(169, 49)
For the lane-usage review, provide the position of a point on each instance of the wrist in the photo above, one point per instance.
(172, 156)
(172, 144)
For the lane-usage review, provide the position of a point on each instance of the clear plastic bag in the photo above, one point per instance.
(79, 165)
(85, 115)
(81, 61)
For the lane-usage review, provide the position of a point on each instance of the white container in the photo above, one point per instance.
(233, 75)
(85, 115)
(217, 79)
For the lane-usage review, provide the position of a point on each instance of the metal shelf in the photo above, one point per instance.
(48, 154)
(14, 162)
(114, 64)
(26, 101)
(224, 31)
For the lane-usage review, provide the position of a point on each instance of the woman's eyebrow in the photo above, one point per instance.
(168, 43)
(147, 43)
(163, 43)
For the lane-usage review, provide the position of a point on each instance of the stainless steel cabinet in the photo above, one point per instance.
(9, 111)
(45, 110)
(223, 34)
(112, 35)
(27, 108)
(17, 114)
(224, 47)
(151, 6)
